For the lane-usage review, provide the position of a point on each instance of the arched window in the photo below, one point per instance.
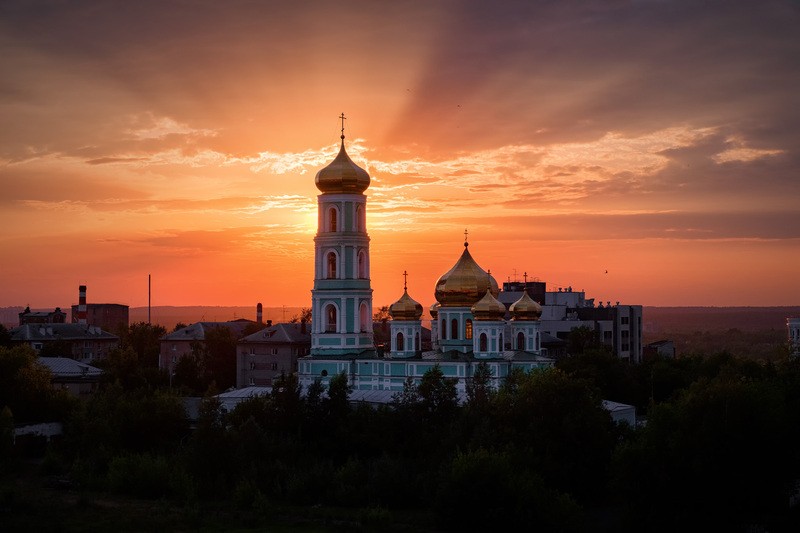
(363, 317)
(416, 342)
(538, 342)
(469, 328)
(500, 343)
(444, 329)
(331, 265)
(521, 341)
(332, 222)
(400, 344)
(483, 342)
(360, 219)
(330, 318)
(454, 329)
(362, 264)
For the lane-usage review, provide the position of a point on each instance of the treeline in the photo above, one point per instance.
(718, 450)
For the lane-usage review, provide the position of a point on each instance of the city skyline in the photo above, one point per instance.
(645, 152)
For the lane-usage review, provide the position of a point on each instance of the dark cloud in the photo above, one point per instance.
(678, 225)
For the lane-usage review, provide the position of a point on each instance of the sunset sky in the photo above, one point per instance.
(656, 140)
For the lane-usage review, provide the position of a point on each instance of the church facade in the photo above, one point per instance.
(468, 324)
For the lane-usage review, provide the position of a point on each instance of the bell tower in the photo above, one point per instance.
(341, 299)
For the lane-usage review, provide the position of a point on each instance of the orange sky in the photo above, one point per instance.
(657, 141)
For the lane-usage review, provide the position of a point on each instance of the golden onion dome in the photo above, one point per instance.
(342, 175)
(465, 283)
(405, 308)
(526, 308)
(488, 308)
(434, 310)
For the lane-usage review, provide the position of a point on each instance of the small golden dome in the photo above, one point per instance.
(526, 308)
(465, 283)
(342, 176)
(405, 308)
(434, 310)
(488, 308)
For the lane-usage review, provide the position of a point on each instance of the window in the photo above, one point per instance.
(362, 265)
(332, 216)
(363, 317)
(330, 319)
(444, 329)
(625, 347)
(521, 341)
(469, 329)
(274, 351)
(454, 328)
(624, 320)
(626, 334)
(416, 342)
(483, 343)
(360, 219)
(274, 366)
(252, 365)
(331, 265)
(500, 343)
(399, 342)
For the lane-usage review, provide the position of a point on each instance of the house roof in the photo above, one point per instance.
(64, 367)
(282, 333)
(52, 332)
(197, 331)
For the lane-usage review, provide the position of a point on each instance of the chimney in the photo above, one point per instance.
(259, 313)
(82, 304)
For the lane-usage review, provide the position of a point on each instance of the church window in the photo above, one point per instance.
(331, 265)
(483, 342)
(330, 318)
(520, 341)
(538, 342)
(363, 317)
(416, 342)
(469, 328)
(454, 329)
(332, 216)
(360, 219)
(500, 343)
(444, 329)
(362, 264)
(400, 342)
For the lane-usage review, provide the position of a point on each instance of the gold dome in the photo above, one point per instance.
(465, 283)
(435, 310)
(488, 308)
(342, 176)
(526, 308)
(405, 308)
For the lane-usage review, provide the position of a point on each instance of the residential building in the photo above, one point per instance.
(79, 341)
(78, 378)
(180, 342)
(42, 317)
(265, 355)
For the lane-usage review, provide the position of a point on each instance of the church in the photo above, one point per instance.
(468, 322)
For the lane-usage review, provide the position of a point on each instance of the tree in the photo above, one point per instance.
(26, 389)
(339, 389)
(5, 337)
(437, 393)
(305, 316)
(479, 387)
(145, 340)
(582, 339)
